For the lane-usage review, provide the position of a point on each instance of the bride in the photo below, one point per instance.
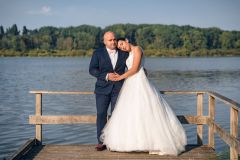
(142, 120)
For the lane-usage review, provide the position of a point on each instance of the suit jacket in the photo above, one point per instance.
(100, 65)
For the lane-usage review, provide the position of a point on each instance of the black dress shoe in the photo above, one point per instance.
(100, 147)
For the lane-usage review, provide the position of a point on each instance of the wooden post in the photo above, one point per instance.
(234, 132)
(211, 114)
(199, 113)
(39, 113)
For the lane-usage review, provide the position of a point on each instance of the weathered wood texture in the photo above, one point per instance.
(234, 132)
(61, 92)
(38, 127)
(218, 96)
(200, 113)
(211, 114)
(199, 120)
(79, 119)
(87, 152)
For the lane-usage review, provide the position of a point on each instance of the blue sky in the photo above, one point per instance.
(224, 14)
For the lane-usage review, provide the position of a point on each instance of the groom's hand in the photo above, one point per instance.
(117, 77)
(112, 76)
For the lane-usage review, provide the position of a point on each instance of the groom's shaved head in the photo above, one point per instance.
(108, 34)
(109, 40)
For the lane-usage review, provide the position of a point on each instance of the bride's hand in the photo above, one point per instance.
(117, 77)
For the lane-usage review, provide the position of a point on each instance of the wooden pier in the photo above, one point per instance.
(33, 149)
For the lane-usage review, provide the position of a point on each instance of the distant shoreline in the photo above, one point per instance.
(157, 40)
(147, 53)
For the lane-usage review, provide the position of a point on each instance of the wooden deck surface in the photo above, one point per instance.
(87, 152)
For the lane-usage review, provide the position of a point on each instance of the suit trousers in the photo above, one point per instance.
(102, 103)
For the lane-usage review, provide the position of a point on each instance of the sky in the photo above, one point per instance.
(224, 14)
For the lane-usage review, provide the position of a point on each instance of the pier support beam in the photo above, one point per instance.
(211, 114)
(199, 113)
(234, 132)
(39, 113)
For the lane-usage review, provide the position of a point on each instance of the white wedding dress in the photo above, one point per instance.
(142, 120)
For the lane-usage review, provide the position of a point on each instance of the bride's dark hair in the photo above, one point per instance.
(126, 38)
(121, 39)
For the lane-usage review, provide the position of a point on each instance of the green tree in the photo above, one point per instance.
(5, 43)
(68, 43)
(156, 39)
(1, 31)
(226, 39)
(60, 43)
(237, 44)
(23, 42)
(212, 35)
(12, 30)
(45, 42)
(198, 40)
(84, 40)
(15, 43)
(186, 38)
(25, 31)
(194, 40)
(167, 37)
(145, 37)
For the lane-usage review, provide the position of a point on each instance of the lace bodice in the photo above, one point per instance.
(129, 61)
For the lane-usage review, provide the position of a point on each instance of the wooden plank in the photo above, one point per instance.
(88, 152)
(234, 131)
(214, 94)
(89, 92)
(38, 127)
(71, 119)
(183, 92)
(231, 140)
(211, 114)
(200, 113)
(76, 119)
(187, 119)
(61, 92)
(229, 102)
(224, 135)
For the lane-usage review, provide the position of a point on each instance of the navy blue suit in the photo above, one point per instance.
(106, 91)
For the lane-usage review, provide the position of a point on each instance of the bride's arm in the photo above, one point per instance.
(136, 64)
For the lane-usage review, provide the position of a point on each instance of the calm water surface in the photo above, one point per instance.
(18, 76)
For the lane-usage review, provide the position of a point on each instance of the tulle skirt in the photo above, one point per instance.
(143, 121)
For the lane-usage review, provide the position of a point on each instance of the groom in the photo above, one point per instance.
(105, 62)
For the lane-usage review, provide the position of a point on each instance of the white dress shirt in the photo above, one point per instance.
(113, 55)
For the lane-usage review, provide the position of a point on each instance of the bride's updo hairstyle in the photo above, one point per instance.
(121, 39)
(129, 40)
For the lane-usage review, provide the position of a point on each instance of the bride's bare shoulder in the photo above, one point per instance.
(137, 50)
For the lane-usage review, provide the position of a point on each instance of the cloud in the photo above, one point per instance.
(45, 10)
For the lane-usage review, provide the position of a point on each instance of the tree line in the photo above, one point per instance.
(155, 39)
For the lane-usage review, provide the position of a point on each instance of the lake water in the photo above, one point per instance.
(18, 76)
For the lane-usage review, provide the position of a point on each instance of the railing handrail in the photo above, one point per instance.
(226, 100)
(222, 98)
(60, 92)
(229, 138)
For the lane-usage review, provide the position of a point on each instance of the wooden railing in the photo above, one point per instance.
(231, 139)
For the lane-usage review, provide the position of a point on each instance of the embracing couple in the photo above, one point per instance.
(141, 119)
